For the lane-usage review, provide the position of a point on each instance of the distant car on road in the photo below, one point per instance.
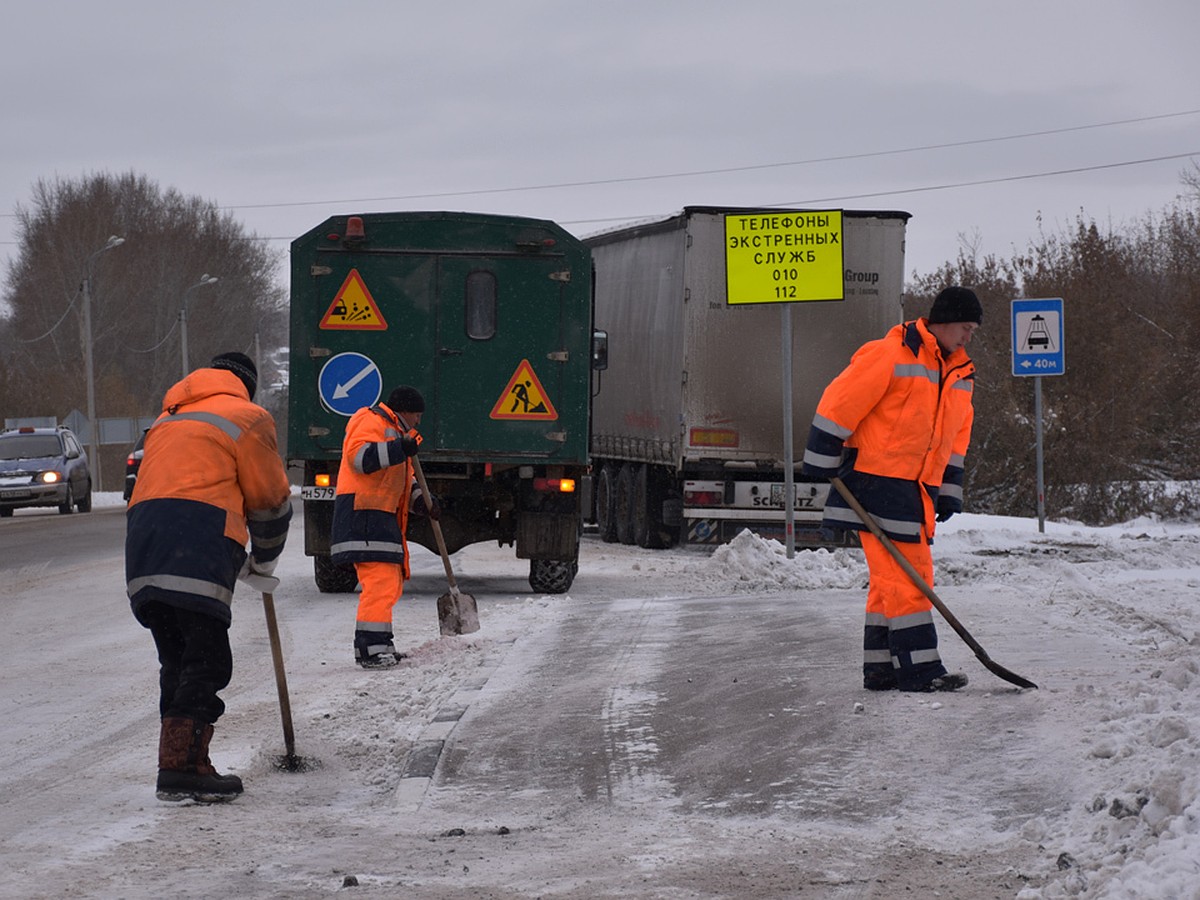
(133, 462)
(43, 467)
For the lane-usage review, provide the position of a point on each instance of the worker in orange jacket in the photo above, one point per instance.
(375, 492)
(210, 480)
(895, 425)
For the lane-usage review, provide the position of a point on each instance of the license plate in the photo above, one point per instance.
(14, 495)
(312, 492)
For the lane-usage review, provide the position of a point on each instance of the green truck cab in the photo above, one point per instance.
(490, 317)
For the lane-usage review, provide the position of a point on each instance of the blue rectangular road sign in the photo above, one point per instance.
(1037, 337)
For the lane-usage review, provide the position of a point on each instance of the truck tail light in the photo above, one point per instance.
(322, 479)
(703, 497)
(554, 485)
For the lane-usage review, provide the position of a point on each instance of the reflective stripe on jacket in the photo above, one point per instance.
(211, 478)
(896, 424)
(374, 486)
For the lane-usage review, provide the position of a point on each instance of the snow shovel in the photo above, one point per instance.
(457, 612)
(290, 762)
(913, 574)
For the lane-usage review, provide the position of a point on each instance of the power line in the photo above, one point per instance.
(1001, 180)
(723, 171)
(890, 193)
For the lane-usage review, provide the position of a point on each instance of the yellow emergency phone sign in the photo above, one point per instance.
(784, 257)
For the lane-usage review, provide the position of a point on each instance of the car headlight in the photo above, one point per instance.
(51, 477)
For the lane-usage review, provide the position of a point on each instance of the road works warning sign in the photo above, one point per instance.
(353, 308)
(524, 397)
(784, 257)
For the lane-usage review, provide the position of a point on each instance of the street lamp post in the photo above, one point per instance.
(93, 425)
(183, 343)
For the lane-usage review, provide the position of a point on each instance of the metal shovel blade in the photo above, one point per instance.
(457, 612)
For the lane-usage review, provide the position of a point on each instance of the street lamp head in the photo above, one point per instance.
(114, 241)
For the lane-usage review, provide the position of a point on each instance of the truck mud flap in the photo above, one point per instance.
(548, 536)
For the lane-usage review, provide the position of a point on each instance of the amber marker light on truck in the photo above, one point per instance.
(322, 479)
(561, 485)
(713, 437)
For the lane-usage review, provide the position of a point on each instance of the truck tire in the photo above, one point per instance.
(606, 504)
(552, 576)
(648, 529)
(625, 503)
(333, 579)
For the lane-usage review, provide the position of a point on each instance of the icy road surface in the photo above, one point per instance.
(680, 725)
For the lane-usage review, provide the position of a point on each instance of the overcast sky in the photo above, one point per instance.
(602, 112)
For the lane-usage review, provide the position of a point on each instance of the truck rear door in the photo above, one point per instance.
(498, 357)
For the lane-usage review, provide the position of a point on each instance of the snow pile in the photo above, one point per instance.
(753, 563)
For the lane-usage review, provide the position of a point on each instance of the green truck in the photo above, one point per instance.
(490, 317)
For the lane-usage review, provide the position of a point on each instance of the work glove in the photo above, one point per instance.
(945, 509)
(258, 575)
(433, 511)
(410, 443)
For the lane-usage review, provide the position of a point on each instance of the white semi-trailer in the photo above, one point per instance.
(687, 421)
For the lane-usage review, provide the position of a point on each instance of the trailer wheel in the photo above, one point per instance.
(625, 504)
(648, 529)
(552, 576)
(333, 579)
(606, 504)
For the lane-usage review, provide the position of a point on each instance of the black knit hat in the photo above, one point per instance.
(240, 365)
(406, 399)
(956, 304)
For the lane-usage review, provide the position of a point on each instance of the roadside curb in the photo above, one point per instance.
(420, 765)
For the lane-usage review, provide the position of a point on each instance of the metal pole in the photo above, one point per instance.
(183, 348)
(93, 437)
(88, 358)
(183, 338)
(789, 475)
(1041, 481)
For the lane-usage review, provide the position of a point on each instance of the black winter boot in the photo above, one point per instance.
(184, 769)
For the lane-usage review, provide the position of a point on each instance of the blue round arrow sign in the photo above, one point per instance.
(348, 382)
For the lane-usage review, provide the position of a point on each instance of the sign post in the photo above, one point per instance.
(1037, 350)
(785, 257)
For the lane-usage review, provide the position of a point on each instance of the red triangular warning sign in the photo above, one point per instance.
(353, 307)
(524, 397)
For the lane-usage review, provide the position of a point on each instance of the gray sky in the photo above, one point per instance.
(602, 112)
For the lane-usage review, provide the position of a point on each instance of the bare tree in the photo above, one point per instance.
(136, 293)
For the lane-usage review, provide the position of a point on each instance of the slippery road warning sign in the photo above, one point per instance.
(353, 308)
(524, 397)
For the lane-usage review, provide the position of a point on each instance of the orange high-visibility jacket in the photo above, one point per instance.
(211, 478)
(897, 423)
(374, 489)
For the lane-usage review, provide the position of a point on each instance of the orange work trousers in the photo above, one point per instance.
(382, 586)
(899, 636)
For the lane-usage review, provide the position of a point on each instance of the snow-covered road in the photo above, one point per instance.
(678, 725)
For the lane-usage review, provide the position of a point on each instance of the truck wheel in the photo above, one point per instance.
(625, 512)
(606, 504)
(552, 576)
(648, 529)
(333, 579)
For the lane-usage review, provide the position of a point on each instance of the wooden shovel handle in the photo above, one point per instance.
(437, 527)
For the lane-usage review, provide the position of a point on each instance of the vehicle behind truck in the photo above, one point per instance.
(490, 317)
(688, 422)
